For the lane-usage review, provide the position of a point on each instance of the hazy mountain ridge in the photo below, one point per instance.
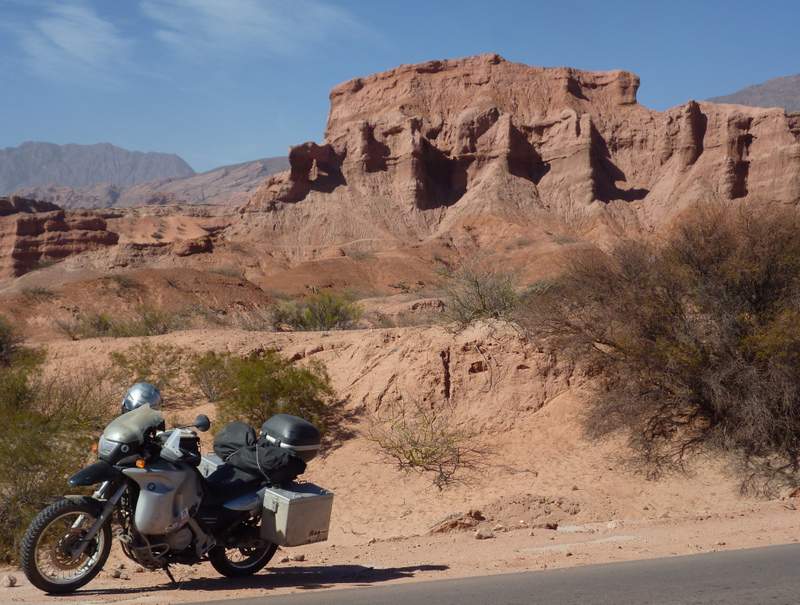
(778, 92)
(34, 164)
(229, 185)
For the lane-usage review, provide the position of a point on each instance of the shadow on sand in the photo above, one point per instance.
(303, 577)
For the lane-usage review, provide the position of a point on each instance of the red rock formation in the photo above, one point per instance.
(417, 150)
(33, 233)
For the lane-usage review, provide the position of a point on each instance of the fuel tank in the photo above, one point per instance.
(169, 493)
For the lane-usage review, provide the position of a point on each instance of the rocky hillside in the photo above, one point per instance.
(447, 160)
(476, 148)
(34, 234)
(778, 92)
(230, 185)
(35, 164)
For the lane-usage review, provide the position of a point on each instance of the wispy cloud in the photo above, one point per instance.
(278, 27)
(69, 41)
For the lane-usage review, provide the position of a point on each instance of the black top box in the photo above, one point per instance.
(292, 433)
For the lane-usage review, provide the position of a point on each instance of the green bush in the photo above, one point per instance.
(320, 311)
(474, 292)
(695, 341)
(210, 373)
(256, 387)
(46, 427)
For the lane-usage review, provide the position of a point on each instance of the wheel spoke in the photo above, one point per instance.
(56, 555)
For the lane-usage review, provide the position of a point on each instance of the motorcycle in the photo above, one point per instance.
(169, 505)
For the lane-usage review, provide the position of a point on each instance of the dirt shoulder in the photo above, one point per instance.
(451, 555)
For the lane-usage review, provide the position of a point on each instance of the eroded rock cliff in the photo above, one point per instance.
(36, 233)
(421, 149)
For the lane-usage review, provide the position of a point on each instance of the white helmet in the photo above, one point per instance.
(142, 393)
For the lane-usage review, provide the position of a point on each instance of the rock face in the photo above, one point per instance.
(34, 233)
(229, 185)
(35, 164)
(423, 149)
(778, 92)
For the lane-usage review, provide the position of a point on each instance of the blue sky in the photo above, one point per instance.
(224, 81)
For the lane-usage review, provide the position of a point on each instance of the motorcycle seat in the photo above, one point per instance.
(228, 482)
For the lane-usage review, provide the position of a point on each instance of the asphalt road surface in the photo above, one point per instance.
(743, 577)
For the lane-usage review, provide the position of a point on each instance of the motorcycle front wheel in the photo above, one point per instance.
(240, 562)
(49, 549)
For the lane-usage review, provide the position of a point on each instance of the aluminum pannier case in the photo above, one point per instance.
(297, 514)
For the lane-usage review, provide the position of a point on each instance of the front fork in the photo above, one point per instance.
(100, 494)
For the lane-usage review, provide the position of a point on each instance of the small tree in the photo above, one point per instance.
(692, 342)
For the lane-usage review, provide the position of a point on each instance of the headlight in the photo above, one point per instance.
(106, 447)
(111, 451)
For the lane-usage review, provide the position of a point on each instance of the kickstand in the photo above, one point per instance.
(171, 577)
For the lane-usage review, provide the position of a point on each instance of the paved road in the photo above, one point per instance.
(744, 577)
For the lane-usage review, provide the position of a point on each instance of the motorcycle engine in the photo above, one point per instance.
(179, 540)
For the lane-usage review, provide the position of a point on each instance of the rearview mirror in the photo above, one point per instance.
(202, 423)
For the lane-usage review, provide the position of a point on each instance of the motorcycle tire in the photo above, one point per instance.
(101, 545)
(220, 559)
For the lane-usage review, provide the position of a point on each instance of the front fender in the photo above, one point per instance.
(93, 474)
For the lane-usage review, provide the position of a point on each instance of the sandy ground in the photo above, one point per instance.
(431, 557)
(541, 469)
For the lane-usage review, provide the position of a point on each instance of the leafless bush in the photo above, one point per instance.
(140, 321)
(695, 342)
(478, 291)
(38, 294)
(421, 439)
(252, 319)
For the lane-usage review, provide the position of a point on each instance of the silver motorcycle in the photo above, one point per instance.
(166, 505)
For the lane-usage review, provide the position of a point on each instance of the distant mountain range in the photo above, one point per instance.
(778, 92)
(33, 164)
(229, 185)
(102, 176)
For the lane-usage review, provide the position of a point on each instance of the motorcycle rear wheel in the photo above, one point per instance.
(240, 562)
(47, 558)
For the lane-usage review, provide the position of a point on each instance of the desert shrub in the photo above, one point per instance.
(125, 282)
(141, 321)
(695, 341)
(9, 342)
(263, 384)
(158, 364)
(46, 426)
(210, 372)
(252, 319)
(150, 321)
(228, 271)
(361, 255)
(421, 439)
(320, 311)
(37, 294)
(478, 291)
